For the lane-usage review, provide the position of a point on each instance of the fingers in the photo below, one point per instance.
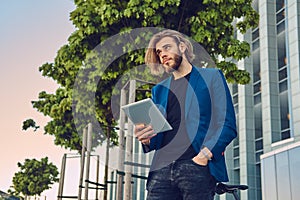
(143, 133)
(200, 161)
(145, 141)
(138, 129)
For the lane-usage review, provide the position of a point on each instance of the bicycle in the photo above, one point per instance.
(222, 188)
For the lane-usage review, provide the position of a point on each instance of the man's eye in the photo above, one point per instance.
(158, 52)
(167, 47)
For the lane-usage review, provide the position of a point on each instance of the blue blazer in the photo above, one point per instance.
(209, 114)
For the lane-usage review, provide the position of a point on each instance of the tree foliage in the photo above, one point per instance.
(29, 123)
(34, 177)
(208, 22)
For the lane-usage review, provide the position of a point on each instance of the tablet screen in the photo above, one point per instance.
(146, 112)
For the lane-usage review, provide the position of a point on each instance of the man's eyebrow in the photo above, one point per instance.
(165, 45)
(158, 50)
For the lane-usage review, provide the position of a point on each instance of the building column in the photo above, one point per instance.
(246, 128)
(269, 73)
(293, 31)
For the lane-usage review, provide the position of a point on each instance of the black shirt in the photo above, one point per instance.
(176, 141)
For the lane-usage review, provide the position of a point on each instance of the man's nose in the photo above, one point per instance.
(163, 53)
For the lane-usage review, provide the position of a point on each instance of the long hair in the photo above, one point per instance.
(152, 59)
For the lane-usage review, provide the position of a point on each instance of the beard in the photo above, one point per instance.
(174, 66)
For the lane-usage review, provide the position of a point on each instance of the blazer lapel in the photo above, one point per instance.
(191, 88)
(162, 99)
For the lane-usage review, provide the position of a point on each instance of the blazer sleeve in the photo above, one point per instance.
(151, 147)
(222, 128)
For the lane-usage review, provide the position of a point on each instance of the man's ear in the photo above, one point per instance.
(182, 47)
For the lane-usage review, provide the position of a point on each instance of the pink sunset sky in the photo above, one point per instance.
(32, 31)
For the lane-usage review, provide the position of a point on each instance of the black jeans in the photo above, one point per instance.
(181, 180)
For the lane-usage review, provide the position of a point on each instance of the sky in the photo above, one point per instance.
(31, 33)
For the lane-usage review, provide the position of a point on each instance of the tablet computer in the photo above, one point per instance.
(146, 112)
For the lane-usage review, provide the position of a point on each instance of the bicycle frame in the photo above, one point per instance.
(222, 188)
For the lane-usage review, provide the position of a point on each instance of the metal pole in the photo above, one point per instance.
(129, 141)
(106, 162)
(121, 147)
(97, 176)
(84, 140)
(62, 177)
(236, 197)
(88, 155)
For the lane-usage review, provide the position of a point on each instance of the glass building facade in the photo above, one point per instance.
(266, 154)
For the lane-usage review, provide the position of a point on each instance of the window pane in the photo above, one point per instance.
(276, 136)
(235, 99)
(257, 88)
(236, 175)
(257, 156)
(284, 111)
(236, 109)
(279, 4)
(258, 145)
(280, 27)
(255, 45)
(236, 152)
(255, 34)
(282, 74)
(256, 66)
(258, 132)
(234, 89)
(255, 5)
(258, 171)
(236, 141)
(236, 163)
(257, 99)
(285, 134)
(258, 182)
(258, 121)
(281, 50)
(283, 86)
(280, 16)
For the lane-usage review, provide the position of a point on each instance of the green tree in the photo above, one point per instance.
(209, 22)
(34, 177)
